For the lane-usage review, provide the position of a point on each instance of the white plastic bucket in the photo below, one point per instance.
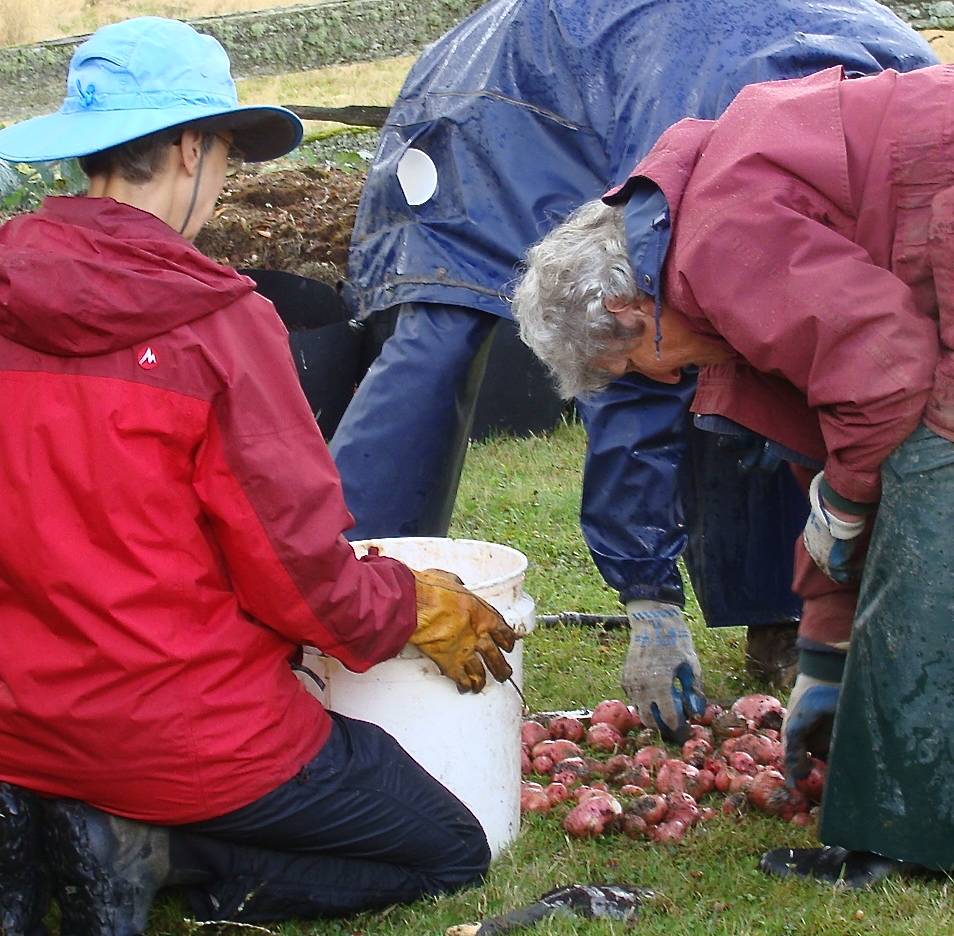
(471, 743)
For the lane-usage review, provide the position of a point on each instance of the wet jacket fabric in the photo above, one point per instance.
(799, 236)
(172, 527)
(528, 108)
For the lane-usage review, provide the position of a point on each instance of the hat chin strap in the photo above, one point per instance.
(195, 191)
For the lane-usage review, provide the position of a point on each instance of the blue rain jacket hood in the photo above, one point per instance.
(528, 108)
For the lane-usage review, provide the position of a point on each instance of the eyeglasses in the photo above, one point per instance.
(234, 157)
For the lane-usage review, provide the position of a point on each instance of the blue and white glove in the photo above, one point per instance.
(806, 729)
(831, 541)
(662, 676)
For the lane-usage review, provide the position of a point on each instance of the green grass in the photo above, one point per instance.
(526, 493)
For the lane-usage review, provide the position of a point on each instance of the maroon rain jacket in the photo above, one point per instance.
(171, 530)
(807, 225)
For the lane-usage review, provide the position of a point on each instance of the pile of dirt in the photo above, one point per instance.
(297, 220)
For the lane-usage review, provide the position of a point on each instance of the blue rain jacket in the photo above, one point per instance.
(528, 108)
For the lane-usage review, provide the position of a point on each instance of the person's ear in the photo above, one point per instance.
(189, 150)
(630, 313)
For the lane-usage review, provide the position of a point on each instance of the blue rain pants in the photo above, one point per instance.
(527, 109)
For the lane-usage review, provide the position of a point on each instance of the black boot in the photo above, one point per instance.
(105, 870)
(24, 889)
(831, 864)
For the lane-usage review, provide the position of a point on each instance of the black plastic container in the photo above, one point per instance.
(328, 348)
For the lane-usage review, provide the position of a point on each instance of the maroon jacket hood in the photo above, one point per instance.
(77, 275)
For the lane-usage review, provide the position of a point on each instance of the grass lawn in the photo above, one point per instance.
(525, 493)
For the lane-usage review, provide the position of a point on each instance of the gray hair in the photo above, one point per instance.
(558, 301)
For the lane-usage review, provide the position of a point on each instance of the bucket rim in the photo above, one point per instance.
(522, 560)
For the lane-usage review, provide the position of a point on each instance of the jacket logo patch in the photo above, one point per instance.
(146, 358)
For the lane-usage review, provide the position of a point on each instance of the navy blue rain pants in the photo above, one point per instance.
(400, 455)
(360, 827)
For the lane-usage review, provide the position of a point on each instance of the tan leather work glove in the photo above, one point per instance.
(456, 629)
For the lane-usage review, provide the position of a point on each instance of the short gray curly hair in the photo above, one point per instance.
(558, 300)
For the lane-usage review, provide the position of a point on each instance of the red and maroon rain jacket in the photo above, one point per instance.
(171, 526)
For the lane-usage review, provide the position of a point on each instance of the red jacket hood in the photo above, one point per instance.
(77, 275)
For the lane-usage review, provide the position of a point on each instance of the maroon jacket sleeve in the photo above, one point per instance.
(797, 299)
(275, 506)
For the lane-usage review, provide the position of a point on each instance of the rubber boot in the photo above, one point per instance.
(771, 655)
(24, 888)
(831, 864)
(106, 870)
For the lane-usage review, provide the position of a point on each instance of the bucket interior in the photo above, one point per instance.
(482, 566)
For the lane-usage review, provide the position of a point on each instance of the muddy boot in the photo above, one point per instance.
(24, 889)
(833, 865)
(771, 656)
(105, 870)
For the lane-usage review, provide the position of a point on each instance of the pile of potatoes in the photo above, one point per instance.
(610, 773)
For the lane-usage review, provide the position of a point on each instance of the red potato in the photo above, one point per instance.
(615, 713)
(652, 808)
(630, 789)
(803, 819)
(676, 776)
(695, 751)
(682, 807)
(729, 725)
(701, 731)
(635, 776)
(533, 798)
(652, 758)
(567, 728)
(706, 813)
(604, 737)
(635, 722)
(812, 786)
(761, 749)
(618, 764)
(556, 750)
(760, 711)
(592, 817)
(724, 778)
(571, 770)
(532, 733)
(743, 763)
(556, 793)
(667, 832)
(526, 765)
(769, 794)
(705, 784)
(770, 733)
(741, 783)
(712, 712)
(634, 826)
(542, 764)
(583, 793)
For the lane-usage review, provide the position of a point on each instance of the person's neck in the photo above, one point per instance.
(155, 197)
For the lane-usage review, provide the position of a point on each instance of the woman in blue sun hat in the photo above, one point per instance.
(176, 536)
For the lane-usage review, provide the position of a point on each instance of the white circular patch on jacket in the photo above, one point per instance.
(418, 177)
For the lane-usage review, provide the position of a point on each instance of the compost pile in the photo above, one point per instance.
(609, 773)
(298, 220)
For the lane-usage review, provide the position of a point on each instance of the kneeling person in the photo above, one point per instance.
(177, 536)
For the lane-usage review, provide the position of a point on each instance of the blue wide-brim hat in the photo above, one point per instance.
(140, 76)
